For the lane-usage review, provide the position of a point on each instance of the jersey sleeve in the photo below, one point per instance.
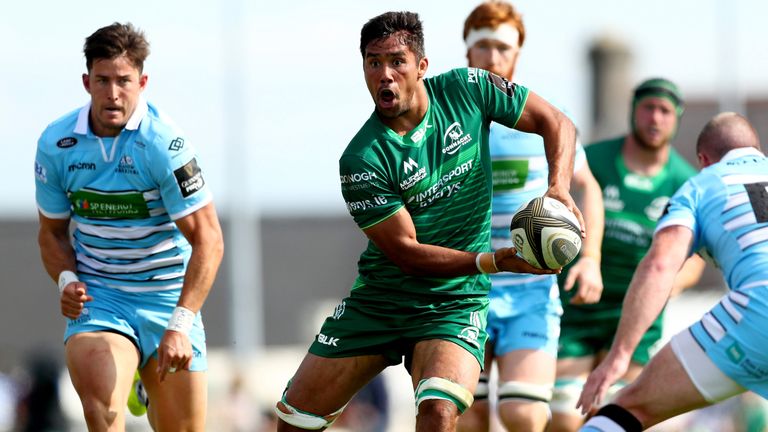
(367, 191)
(174, 165)
(503, 101)
(50, 195)
(681, 211)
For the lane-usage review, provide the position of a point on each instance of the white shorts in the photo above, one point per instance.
(708, 379)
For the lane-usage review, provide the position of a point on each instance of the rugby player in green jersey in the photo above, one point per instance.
(638, 173)
(417, 180)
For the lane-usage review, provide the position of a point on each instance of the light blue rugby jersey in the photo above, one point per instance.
(726, 208)
(123, 194)
(520, 173)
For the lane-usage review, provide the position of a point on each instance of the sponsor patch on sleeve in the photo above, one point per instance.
(40, 172)
(190, 178)
(506, 86)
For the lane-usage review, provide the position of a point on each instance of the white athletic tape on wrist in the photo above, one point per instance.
(477, 262)
(181, 320)
(65, 278)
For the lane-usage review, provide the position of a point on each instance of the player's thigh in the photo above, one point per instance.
(323, 385)
(444, 359)
(662, 390)
(101, 366)
(530, 366)
(575, 366)
(178, 403)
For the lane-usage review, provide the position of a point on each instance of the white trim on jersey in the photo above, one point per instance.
(189, 210)
(129, 268)
(123, 233)
(739, 179)
(740, 221)
(713, 327)
(736, 200)
(138, 253)
(133, 288)
(142, 108)
(753, 237)
(49, 215)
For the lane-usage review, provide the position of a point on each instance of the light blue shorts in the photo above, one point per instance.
(733, 335)
(141, 317)
(524, 313)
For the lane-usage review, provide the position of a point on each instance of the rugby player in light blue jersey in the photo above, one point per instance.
(145, 248)
(721, 213)
(524, 315)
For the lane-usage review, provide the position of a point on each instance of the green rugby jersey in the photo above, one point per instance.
(440, 172)
(633, 204)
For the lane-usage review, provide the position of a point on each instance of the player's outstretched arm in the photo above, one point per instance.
(648, 293)
(396, 237)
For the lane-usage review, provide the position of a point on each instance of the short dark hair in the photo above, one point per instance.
(115, 40)
(406, 26)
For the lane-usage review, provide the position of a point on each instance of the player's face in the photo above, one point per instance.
(392, 74)
(655, 122)
(114, 86)
(494, 56)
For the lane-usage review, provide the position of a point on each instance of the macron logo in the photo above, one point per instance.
(409, 165)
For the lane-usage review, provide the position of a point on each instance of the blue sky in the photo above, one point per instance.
(271, 92)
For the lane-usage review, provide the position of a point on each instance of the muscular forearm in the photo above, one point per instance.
(56, 253)
(560, 147)
(201, 272)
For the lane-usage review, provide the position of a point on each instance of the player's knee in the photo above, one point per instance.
(566, 395)
(97, 412)
(436, 388)
(524, 406)
(303, 419)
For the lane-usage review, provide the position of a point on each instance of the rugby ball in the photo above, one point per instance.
(545, 233)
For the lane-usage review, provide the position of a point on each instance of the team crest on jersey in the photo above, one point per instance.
(66, 142)
(455, 138)
(125, 166)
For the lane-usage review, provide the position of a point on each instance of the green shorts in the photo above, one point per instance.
(382, 323)
(586, 330)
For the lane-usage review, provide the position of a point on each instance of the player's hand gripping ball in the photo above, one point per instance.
(546, 233)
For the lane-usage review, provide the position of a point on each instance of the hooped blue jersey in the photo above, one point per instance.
(123, 195)
(726, 208)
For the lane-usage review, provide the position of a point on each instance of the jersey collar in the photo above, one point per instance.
(740, 152)
(81, 127)
(415, 136)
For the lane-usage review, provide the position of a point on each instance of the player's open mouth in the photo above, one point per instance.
(387, 97)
